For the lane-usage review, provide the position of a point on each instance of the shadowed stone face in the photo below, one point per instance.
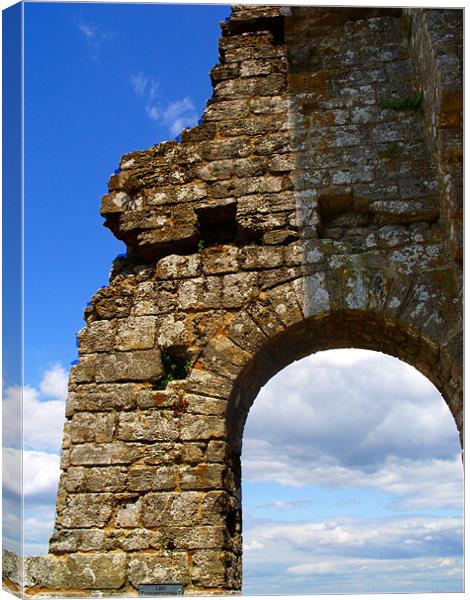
(317, 205)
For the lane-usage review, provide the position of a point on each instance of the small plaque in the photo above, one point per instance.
(160, 589)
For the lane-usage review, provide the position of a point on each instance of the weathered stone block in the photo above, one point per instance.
(263, 316)
(155, 298)
(285, 301)
(114, 203)
(85, 370)
(201, 427)
(147, 426)
(177, 267)
(145, 478)
(204, 405)
(254, 258)
(209, 568)
(173, 330)
(114, 453)
(11, 567)
(203, 477)
(200, 293)
(140, 365)
(68, 541)
(227, 109)
(223, 357)
(220, 259)
(104, 397)
(135, 333)
(216, 170)
(208, 384)
(77, 571)
(170, 453)
(163, 566)
(106, 479)
(86, 510)
(238, 288)
(97, 337)
(243, 331)
(217, 451)
(196, 538)
(405, 211)
(161, 509)
(260, 125)
(92, 427)
(128, 515)
(141, 539)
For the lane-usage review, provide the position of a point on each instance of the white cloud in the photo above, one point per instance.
(253, 546)
(353, 555)
(32, 473)
(43, 419)
(93, 36)
(54, 383)
(37, 483)
(153, 113)
(144, 86)
(369, 425)
(180, 114)
(174, 116)
(40, 473)
(11, 524)
(354, 536)
(341, 419)
(417, 484)
(280, 505)
(88, 30)
(382, 566)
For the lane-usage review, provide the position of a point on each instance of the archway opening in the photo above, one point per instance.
(352, 480)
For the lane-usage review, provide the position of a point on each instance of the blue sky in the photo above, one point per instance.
(100, 82)
(352, 482)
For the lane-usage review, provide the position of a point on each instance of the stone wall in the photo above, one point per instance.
(436, 37)
(307, 211)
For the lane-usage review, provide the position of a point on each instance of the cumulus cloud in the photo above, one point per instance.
(43, 411)
(174, 116)
(38, 530)
(32, 472)
(374, 429)
(359, 418)
(40, 474)
(37, 483)
(350, 555)
(11, 524)
(54, 383)
(348, 536)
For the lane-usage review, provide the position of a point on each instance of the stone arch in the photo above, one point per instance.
(322, 333)
(303, 213)
(277, 329)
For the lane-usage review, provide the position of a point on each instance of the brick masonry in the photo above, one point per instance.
(317, 205)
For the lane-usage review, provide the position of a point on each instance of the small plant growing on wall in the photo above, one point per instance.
(409, 28)
(174, 368)
(412, 102)
(393, 150)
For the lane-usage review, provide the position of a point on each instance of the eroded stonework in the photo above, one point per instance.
(317, 205)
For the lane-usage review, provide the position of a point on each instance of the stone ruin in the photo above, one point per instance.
(317, 205)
